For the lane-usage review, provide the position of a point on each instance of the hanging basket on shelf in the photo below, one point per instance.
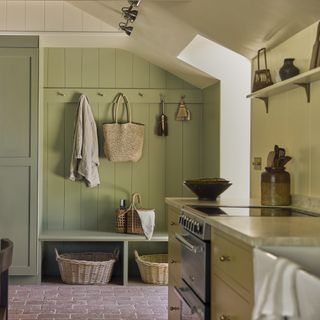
(262, 77)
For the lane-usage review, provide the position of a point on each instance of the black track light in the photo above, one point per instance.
(127, 29)
(134, 3)
(129, 13)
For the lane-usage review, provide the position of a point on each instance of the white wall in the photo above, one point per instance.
(234, 73)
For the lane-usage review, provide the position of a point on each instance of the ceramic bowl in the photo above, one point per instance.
(207, 188)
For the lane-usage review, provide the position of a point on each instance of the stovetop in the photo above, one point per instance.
(192, 217)
(252, 211)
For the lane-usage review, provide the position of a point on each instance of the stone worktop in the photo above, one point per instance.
(259, 231)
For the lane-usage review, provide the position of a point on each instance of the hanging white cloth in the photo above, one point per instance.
(277, 298)
(147, 218)
(85, 154)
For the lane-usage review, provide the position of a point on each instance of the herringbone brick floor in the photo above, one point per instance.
(58, 302)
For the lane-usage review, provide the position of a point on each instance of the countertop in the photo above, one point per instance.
(259, 231)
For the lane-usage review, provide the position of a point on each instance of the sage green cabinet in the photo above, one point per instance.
(19, 149)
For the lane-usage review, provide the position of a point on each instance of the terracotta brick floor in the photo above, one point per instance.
(49, 302)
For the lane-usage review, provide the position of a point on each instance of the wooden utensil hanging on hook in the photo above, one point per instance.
(163, 120)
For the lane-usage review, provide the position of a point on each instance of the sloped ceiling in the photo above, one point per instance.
(164, 28)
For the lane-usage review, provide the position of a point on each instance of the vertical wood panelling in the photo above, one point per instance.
(157, 77)
(165, 163)
(45, 166)
(157, 170)
(56, 67)
(16, 15)
(124, 69)
(90, 68)
(106, 193)
(173, 82)
(53, 15)
(141, 73)
(3, 16)
(56, 167)
(107, 68)
(123, 181)
(72, 193)
(89, 196)
(73, 65)
(45, 66)
(140, 170)
(72, 17)
(34, 15)
(174, 158)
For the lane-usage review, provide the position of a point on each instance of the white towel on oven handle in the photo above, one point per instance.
(277, 299)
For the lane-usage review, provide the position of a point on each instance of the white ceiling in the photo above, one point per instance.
(164, 28)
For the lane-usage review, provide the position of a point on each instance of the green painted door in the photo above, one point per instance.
(19, 155)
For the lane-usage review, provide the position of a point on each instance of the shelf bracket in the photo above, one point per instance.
(306, 87)
(266, 102)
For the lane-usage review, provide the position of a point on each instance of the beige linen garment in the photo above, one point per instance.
(85, 154)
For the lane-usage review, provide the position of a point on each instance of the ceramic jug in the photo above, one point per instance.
(275, 187)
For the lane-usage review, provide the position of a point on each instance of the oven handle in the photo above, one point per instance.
(193, 309)
(188, 245)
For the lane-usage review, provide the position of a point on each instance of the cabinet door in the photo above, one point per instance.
(174, 305)
(226, 303)
(19, 155)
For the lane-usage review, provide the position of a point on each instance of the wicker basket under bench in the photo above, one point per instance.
(86, 267)
(85, 236)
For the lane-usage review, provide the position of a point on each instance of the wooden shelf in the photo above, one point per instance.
(99, 236)
(302, 80)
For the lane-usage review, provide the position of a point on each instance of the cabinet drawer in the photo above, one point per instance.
(233, 260)
(174, 305)
(173, 223)
(174, 260)
(226, 302)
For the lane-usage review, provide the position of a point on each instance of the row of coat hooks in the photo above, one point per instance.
(183, 113)
(98, 93)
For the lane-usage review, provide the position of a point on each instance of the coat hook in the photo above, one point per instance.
(100, 94)
(60, 94)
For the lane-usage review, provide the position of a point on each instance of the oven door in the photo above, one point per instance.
(195, 264)
(192, 308)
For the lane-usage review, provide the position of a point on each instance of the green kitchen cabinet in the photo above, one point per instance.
(19, 83)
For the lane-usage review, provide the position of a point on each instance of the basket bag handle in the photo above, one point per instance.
(136, 255)
(135, 200)
(116, 105)
(264, 52)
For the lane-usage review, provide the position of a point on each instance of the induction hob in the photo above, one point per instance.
(252, 211)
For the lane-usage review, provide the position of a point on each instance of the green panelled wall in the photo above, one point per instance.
(166, 161)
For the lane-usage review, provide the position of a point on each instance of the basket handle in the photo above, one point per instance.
(57, 254)
(116, 253)
(136, 254)
(135, 199)
(264, 52)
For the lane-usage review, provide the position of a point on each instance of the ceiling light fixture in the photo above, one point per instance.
(124, 27)
(130, 14)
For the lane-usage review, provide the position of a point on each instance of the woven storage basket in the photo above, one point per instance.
(121, 221)
(86, 267)
(153, 268)
(133, 220)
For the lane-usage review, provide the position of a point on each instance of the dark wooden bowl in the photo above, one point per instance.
(207, 189)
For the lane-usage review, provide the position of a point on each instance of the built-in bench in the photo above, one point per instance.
(100, 236)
